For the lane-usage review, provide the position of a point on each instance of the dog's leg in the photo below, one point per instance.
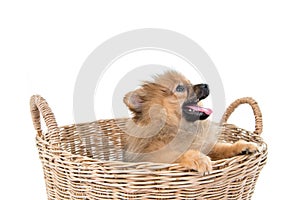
(226, 150)
(193, 159)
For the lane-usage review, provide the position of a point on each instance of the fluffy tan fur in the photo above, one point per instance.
(159, 133)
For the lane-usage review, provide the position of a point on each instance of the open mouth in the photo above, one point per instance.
(192, 111)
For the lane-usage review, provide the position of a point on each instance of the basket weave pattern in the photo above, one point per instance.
(84, 161)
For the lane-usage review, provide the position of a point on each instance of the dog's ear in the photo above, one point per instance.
(133, 100)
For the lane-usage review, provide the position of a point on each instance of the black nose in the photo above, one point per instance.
(203, 86)
(201, 91)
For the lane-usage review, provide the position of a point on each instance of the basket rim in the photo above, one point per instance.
(88, 161)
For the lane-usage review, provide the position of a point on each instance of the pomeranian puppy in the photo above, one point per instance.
(170, 125)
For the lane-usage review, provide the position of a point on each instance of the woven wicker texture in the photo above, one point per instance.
(84, 161)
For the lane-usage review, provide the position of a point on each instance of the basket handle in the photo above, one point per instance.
(255, 108)
(38, 105)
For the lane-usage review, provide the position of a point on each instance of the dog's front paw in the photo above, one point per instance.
(242, 147)
(195, 160)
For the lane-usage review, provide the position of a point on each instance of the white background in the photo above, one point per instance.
(254, 44)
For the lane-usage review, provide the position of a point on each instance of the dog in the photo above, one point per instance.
(170, 125)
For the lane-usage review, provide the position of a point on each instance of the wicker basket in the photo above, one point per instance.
(83, 161)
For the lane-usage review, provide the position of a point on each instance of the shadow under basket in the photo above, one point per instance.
(84, 161)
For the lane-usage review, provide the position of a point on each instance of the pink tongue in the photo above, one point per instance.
(201, 109)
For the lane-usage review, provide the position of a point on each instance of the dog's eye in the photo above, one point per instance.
(180, 88)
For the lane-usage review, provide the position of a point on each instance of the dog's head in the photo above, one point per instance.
(174, 93)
